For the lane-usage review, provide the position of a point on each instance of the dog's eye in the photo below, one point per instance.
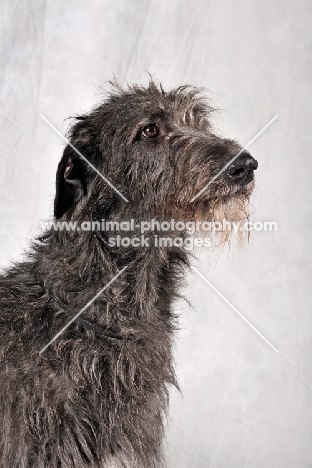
(150, 131)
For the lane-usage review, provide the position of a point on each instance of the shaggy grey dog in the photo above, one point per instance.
(96, 396)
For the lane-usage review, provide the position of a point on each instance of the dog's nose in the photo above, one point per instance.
(241, 170)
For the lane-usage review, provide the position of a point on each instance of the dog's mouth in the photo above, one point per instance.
(246, 188)
(249, 177)
(235, 190)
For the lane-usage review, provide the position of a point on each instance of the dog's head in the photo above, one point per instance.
(159, 151)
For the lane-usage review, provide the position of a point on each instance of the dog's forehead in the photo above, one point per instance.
(149, 102)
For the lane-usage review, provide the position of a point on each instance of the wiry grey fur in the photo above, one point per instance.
(90, 400)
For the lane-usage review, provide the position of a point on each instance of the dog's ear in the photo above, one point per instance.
(73, 172)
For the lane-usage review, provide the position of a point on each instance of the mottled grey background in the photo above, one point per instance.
(242, 405)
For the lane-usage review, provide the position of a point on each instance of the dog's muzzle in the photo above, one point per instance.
(240, 172)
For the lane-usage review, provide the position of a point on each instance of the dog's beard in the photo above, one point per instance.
(229, 212)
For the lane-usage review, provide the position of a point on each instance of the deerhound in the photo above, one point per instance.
(87, 321)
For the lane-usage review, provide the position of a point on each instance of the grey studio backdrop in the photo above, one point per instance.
(241, 404)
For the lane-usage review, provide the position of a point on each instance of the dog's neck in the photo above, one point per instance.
(145, 289)
(111, 378)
